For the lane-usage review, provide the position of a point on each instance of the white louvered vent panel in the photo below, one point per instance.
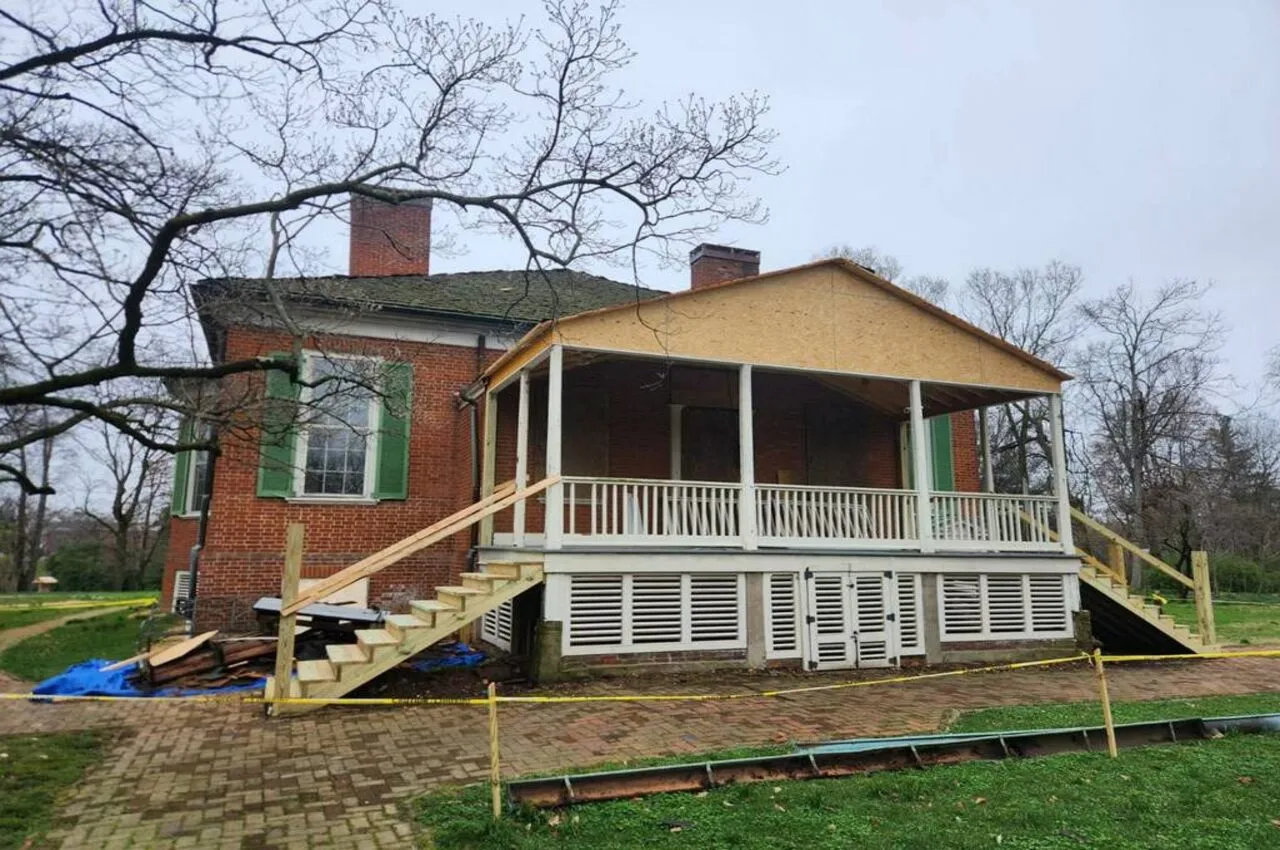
(828, 605)
(495, 625)
(1049, 604)
(656, 608)
(961, 605)
(784, 615)
(910, 633)
(595, 610)
(1006, 604)
(714, 607)
(870, 612)
(181, 586)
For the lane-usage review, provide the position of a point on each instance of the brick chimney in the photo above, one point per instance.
(711, 264)
(390, 238)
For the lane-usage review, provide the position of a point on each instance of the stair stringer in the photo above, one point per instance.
(382, 659)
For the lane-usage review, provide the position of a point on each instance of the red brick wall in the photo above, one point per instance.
(964, 449)
(243, 556)
(182, 536)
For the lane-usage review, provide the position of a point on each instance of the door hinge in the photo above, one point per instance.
(893, 662)
(813, 665)
(888, 573)
(808, 574)
(810, 619)
(891, 617)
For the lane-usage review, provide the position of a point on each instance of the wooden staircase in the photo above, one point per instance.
(429, 620)
(1127, 621)
(350, 665)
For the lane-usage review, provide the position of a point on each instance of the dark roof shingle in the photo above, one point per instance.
(511, 296)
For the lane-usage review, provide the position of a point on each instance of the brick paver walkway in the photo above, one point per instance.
(181, 775)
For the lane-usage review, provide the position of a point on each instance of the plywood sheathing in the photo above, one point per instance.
(829, 316)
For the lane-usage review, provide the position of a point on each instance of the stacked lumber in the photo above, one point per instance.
(199, 656)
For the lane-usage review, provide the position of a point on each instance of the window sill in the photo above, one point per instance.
(331, 500)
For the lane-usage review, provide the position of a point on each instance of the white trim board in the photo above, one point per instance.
(568, 562)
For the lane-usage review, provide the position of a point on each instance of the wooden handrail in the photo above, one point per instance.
(1091, 523)
(500, 499)
(1085, 556)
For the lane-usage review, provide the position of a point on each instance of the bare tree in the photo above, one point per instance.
(933, 289)
(1146, 379)
(146, 144)
(1033, 308)
(127, 496)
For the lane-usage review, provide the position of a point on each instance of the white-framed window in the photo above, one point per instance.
(1005, 606)
(336, 448)
(655, 612)
(198, 476)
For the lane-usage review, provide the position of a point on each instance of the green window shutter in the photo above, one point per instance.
(181, 470)
(391, 478)
(279, 435)
(944, 472)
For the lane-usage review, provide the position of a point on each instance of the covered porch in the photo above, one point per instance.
(680, 453)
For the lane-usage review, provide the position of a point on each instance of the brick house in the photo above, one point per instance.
(779, 468)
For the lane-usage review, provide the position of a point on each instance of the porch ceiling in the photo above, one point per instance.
(885, 396)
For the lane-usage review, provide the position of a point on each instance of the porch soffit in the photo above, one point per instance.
(831, 316)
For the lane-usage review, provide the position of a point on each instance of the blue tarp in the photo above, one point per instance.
(88, 679)
(452, 655)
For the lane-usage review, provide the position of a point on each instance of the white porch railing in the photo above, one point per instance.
(994, 521)
(810, 516)
(648, 512)
(636, 510)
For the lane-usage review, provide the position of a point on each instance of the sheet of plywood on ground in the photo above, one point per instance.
(173, 653)
(427, 537)
(822, 317)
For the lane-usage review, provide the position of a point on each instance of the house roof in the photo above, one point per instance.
(823, 309)
(521, 297)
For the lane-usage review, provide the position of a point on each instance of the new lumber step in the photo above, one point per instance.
(316, 671)
(371, 639)
(343, 654)
(427, 609)
(483, 581)
(509, 569)
(457, 596)
(403, 625)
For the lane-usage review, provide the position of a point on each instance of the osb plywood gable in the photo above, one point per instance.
(811, 318)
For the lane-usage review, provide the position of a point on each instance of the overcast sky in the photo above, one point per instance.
(1137, 140)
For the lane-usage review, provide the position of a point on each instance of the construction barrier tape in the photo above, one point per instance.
(77, 603)
(479, 701)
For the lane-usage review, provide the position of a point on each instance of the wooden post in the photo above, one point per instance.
(746, 459)
(288, 593)
(1107, 720)
(553, 524)
(495, 762)
(1115, 560)
(522, 458)
(1204, 597)
(920, 468)
(1058, 450)
(489, 462)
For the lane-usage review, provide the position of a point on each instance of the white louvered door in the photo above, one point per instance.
(850, 620)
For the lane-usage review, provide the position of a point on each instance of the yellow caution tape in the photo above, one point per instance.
(411, 701)
(77, 603)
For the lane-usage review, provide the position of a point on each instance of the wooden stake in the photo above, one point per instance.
(1107, 720)
(495, 763)
(288, 593)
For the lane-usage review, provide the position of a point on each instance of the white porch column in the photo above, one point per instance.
(554, 524)
(746, 459)
(488, 462)
(920, 468)
(676, 412)
(522, 458)
(984, 445)
(1058, 448)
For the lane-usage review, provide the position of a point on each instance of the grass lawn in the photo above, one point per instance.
(112, 636)
(1237, 622)
(34, 769)
(16, 618)
(1215, 794)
